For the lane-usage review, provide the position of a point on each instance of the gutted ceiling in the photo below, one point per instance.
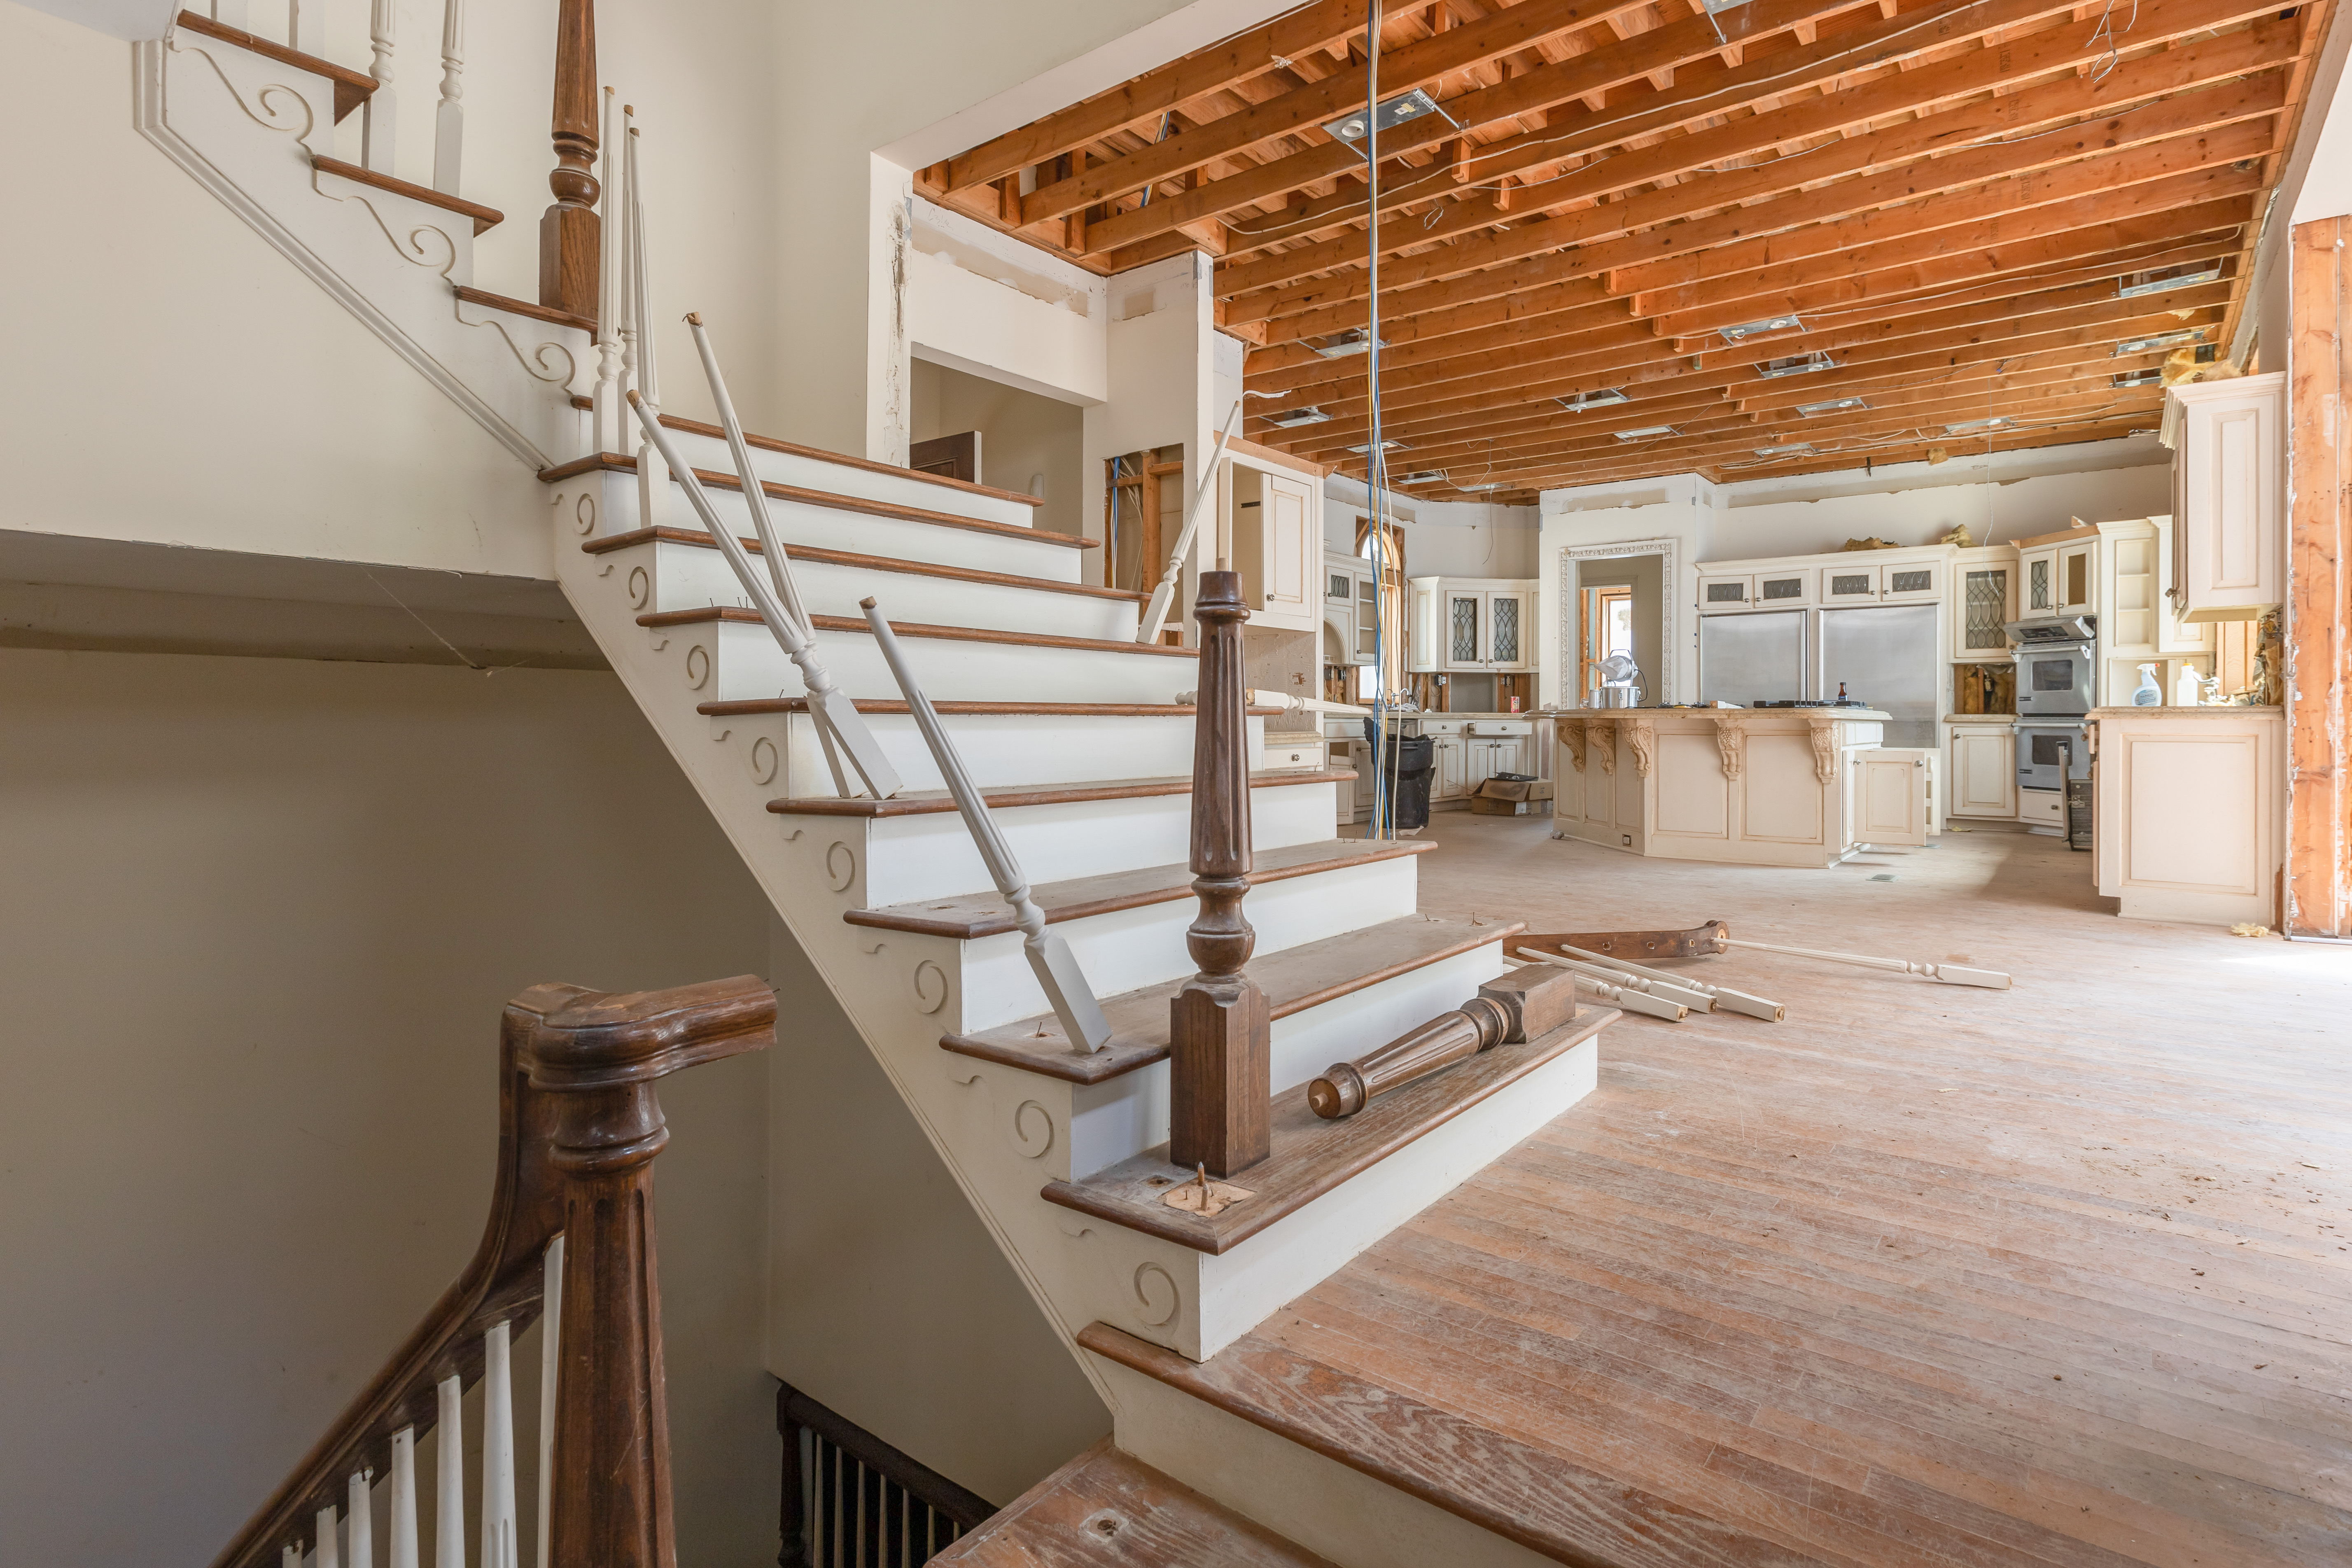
(1777, 238)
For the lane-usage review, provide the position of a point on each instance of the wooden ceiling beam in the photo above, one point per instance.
(1307, 108)
(1548, 88)
(1479, 266)
(1157, 93)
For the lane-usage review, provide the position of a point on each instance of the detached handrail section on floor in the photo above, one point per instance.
(570, 1233)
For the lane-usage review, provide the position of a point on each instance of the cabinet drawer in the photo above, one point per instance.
(2042, 806)
(1282, 756)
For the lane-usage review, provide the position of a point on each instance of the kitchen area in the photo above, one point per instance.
(2111, 685)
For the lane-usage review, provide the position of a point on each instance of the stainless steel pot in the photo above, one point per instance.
(1618, 696)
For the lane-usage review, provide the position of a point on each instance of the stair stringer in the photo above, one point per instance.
(246, 128)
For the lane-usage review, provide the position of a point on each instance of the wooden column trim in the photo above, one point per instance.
(2318, 900)
(569, 231)
(1220, 1026)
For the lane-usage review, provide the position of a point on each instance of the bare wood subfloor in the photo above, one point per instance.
(1924, 1275)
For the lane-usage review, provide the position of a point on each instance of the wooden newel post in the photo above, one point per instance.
(568, 234)
(597, 1061)
(1221, 1068)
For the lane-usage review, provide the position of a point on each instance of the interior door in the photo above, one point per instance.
(1890, 794)
(1751, 658)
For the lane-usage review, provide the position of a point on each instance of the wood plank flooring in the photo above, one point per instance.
(1105, 1507)
(1926, 1276)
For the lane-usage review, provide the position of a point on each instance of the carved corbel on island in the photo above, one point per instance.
(1825, 747)
(1731, 743)
(1643, 736)
(1572, 734)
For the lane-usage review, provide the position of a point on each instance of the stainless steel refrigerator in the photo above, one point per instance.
(1752, 659)
(1888, 658)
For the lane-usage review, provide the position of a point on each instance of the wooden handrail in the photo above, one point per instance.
(1220, 1028)
(569, 247)
(579, 1126)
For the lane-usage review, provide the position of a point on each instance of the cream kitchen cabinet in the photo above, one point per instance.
(1275, 522)
(2074, 576)
(1984, 601)
(1451, 779)
(2036, 575)
(1891, 795)
(2229, 497)
(1785, 589)
(1983, 772)
(1351, 608)
(1472, 623)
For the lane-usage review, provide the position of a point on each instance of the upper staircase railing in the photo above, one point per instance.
(570, 1235)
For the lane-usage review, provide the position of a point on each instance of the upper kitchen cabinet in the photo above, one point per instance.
(2229, 498)
(1351, 606)
(1274, 518)
(1984, 600)
(1473, 624)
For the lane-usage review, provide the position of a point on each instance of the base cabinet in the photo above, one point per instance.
(1983, 774)
(1891, 791)
(2189, 823)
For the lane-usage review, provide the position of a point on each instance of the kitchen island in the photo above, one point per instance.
(1752, 786)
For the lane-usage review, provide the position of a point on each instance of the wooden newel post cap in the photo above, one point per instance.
(1220, 598)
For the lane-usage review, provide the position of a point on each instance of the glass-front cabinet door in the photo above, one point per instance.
(1984, 610)
(1465, 629)
(2037, 584)
(1506, 637)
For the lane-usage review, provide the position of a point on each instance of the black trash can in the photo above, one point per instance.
(1407, 765)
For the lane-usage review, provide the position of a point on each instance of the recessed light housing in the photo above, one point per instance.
(1385, 447)
(1795, 364)
(2155, 341)
(1794, 450)
(1831, 405)
(1488, 485)
(1354, 340)
(1404, 106)
(2132, 284)
(1578, 402)
(1647, 433)
(1425, 477)
(1747, 330)
(1292, 418)
(1998, 422)
(2149, 377)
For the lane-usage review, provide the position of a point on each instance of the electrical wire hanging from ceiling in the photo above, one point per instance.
(1385, 754)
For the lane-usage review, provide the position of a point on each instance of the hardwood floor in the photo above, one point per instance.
(1924, 1275)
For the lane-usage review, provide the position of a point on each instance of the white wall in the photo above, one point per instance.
(1025, 438)
(262, 916)
(1659, 516)
(1441, 539)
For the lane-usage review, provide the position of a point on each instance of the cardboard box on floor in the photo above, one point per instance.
(1512, 798)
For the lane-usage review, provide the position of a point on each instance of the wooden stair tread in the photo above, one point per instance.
(484, 217)
(614, 462)
(352, 88)
(537, 313)
(794, 448)
(973, 915)
(935, 802)
(701, 540)
(1109, 1508)
(1311, 1156)
(1294, 980)
(747, 706)
(1549, 1505)
(710, 613)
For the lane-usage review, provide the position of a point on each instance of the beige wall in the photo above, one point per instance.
(260, 917)
(1024, 438)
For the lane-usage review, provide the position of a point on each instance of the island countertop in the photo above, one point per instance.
(1621, 715)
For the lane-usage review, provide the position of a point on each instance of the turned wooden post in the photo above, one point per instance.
(1220, 1066)
(568, 233)
(597, 1058)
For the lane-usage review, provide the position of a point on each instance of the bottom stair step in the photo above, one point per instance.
(1105, 1509)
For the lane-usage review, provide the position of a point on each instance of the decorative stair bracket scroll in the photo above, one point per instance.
(1155, 615)
(833, 710)
(1056, 966)
(839, 729)
(1220, 1047)
(568, 231)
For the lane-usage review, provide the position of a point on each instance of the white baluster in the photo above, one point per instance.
(229, 12)
(327, 1557)
(449, 115)
(653, 472)
(498, 1548)
(449, 1483)
(609, 422)
(402, 1527)
(305, 25)
(550, 1356)
(376, 126)
(359, 1522)
(289, 1556)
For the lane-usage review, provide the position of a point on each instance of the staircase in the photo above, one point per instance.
(1070, 727)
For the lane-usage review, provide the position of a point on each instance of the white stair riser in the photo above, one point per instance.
(865, 532)
(1115, 1121)
(1129, 949)
(930, 855)
(710, 454)
(999, 750)
(749, 664)
(693, 578)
